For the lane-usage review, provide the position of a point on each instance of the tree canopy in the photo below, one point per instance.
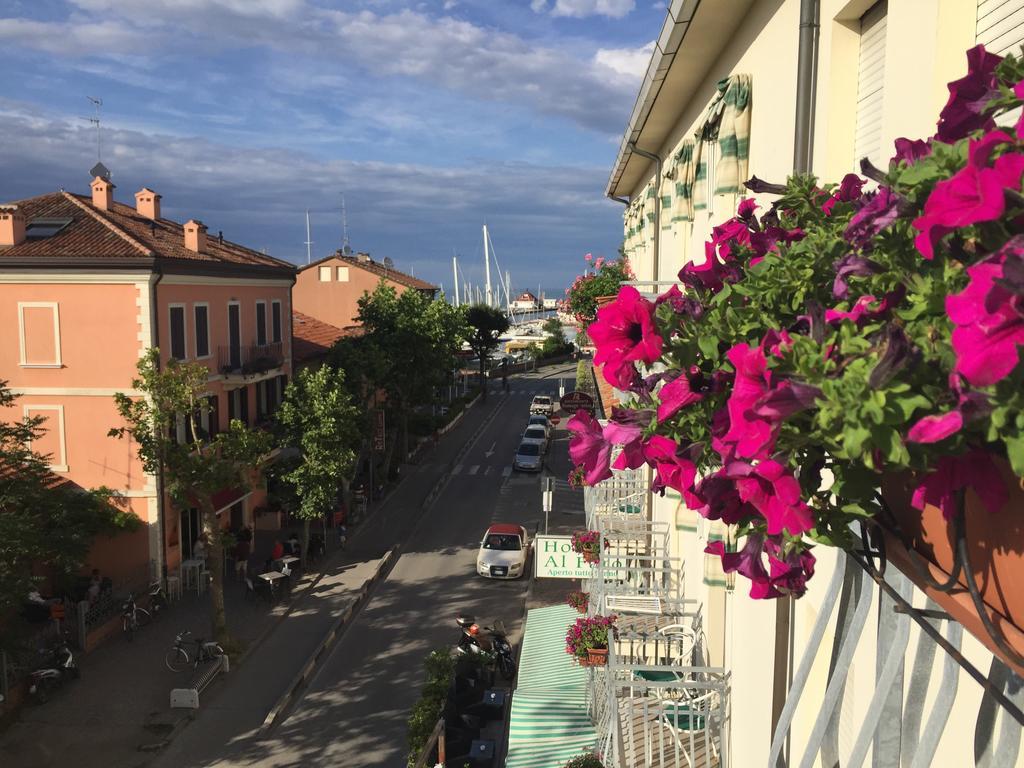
(486, 324)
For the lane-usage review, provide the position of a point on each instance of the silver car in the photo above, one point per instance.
(540, 420)
(536, 434)
(528, 458)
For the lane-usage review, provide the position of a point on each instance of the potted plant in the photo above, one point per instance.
(578, 600)
(586, 760)
(588, 544)
(587, 639)
(599, 283)
(844, 339)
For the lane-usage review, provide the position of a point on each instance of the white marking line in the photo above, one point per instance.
(487, 470)
(458, 468)
(506, 471)
(474, 469)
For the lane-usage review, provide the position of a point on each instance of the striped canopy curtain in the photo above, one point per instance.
(683, 173)
(734, 137)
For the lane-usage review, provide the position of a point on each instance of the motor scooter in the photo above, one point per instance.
(475, 639)
(59, 666)
(157, 598)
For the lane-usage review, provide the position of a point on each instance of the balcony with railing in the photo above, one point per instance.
(250, 360)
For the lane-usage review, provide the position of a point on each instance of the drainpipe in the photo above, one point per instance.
(160, 510)
(806, 85)
(657, 203)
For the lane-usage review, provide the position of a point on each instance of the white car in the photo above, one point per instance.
(540, 420)
(542, 404)
(528, 458)
(538, 435)
(503, 552)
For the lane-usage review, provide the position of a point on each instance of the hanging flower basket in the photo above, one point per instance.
(578, 600)
(923, 544)
(588, 544)
(588, 634)
(597, 657)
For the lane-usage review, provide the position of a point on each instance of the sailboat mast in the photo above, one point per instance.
(487, 269)
(309, 241)
(455, 277)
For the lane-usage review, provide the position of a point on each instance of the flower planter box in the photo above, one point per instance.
(925, 541)
(597, 657)
(591, 557)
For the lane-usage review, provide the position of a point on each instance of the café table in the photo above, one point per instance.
(188, 568)
(272, 578)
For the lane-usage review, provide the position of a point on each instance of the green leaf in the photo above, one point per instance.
(708, 346)
(1015, 452)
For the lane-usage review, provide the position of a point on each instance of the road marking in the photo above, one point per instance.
(487, 470)
(458, 468)
(490, 452)
(506, 471)
(474, 469)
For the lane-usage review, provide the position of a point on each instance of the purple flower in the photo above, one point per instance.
(965, 110)
(673, 465)
(624, 334)
(681, 305)
(849, 266)
(747, 562)
(989, 321)
(864, 310)
(716, 498)
(785, 400)
(898, 354)
(588, 448)
(773, 491)
(880, 210)
(849, 189)
(629, 436)
(789, 573)
(911, 151)
(675, 396)
(952, 474)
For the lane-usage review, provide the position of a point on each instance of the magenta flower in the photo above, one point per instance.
(763, 242)
(673, 465)
(629, 436)
(786, 399)
(773, 491)
(716, 498)
(866, 308)
(681, 305)
(879, 211)
(935, 427)
(849, 190)
(973, 195)
(910, 151)
(849, 266)
(751, 436)
(624, 334)
(588, 448)
(745, 210)
(989, 322)
(965, 110)
(789, 573)
(675, 396)
(747, 562)
(775, 343)
(952, 474)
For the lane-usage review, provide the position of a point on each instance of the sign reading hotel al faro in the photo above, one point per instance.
(556, 560)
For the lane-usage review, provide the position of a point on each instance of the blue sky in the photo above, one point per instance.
(430, 117)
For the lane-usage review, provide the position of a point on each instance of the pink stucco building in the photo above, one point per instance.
(329, 289)
(87, 284)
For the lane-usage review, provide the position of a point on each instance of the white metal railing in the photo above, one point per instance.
(623, 496)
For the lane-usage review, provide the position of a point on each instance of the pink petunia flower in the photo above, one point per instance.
(935, 427)
(674, 468)
(849, 190)
(773, 491)
(989, 322)
(910, 151)
(675, 396)
(588, 448)
(952, 474)
(964, 111)
(624, 334)
(878, 212)
(751, 436)
(715, 498)
(629, 436)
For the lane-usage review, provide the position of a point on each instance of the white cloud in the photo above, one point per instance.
(631, 63)
(538, 6)
(580, 9)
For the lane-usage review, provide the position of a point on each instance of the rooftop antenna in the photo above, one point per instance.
(97, 103)
(346, 247)
(309, 241)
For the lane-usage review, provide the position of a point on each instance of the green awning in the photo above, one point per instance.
(549, 720)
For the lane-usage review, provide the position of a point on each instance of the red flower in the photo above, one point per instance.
(624, 334)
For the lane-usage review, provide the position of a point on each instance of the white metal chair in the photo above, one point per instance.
(691, 723)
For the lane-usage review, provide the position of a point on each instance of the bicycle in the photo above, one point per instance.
(133, 617)
(178, 658)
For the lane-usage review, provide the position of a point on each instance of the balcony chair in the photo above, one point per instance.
(691, 722)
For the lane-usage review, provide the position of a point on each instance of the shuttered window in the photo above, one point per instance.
(1001, 26)
(870, 86)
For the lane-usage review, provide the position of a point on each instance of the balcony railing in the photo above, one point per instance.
(256, 358)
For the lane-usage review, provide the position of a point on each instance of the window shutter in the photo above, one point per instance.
(1001, 26)
(870, 86)
(178, 333)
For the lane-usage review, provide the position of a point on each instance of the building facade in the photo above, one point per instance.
(87, 286)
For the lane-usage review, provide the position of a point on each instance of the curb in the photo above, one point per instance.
(300, 680)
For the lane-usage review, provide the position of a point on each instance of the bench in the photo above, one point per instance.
(188, 698)
(633, 604)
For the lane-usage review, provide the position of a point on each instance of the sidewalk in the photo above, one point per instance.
(122, 701)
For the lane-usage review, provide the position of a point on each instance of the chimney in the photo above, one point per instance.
(195, 236)
(102, 193)
(12, 226)
(363, 256)
(147, 203)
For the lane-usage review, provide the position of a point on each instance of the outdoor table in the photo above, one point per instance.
(188, 567)
(481, 752)
(272, 577)
(286, 560)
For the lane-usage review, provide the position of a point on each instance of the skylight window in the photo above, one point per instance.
(40, 229)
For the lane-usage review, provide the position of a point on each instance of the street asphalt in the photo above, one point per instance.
(354, 709)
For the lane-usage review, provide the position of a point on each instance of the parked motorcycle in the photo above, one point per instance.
(475, 639)
(157, 597)
(59, 666)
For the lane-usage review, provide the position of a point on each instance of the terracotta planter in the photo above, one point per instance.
(581, 608)
(590, 556)
(924, 541)
(598, 657)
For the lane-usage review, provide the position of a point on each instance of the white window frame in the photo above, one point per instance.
(184, 330)
(280, 322)
(256, 324)
(27, 413)
(342, 275)
(22, 360)
(195, 336)
(325, 271)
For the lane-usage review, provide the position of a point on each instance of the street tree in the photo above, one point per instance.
(486, 324)
(555, 342)
(46, 523)
(318, 418)
(198, 467)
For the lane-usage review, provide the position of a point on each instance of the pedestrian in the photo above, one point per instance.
(242, 550)
(95, 585)
(277, 552)
(199, 548)
(342, 535)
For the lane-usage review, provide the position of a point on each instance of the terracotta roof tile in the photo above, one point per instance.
(378, 269)
(312, 338)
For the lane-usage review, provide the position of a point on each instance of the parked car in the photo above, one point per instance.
(542, 404)
(540, 420)
(538, 435)
(528, 458)
(503, 552)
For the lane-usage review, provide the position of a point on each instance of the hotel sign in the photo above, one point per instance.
(556, 560)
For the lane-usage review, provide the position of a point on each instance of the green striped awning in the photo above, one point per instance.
(549, 718)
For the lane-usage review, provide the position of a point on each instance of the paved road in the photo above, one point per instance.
(354, 711)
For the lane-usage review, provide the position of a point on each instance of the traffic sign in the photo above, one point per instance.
(576, 401)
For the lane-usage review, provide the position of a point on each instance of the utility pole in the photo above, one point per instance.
(487, 269)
